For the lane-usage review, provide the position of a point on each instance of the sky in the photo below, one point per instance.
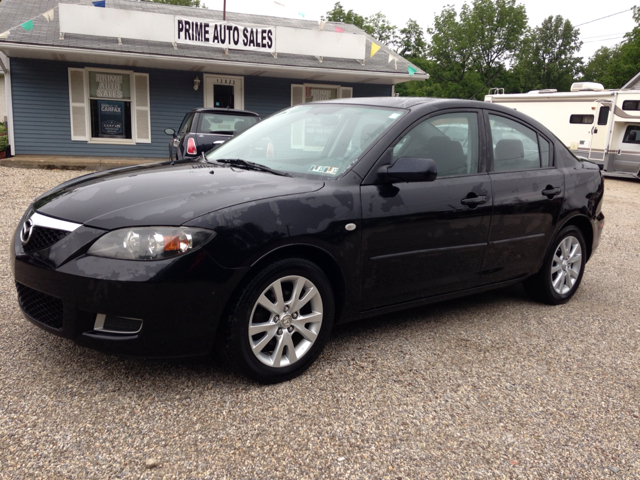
(606, 32)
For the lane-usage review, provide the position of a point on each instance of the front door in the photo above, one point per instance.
(223, 92)
(428, 238)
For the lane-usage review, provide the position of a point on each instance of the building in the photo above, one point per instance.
(87, 80)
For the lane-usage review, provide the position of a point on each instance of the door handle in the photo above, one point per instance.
(551, 192)
(474, 201)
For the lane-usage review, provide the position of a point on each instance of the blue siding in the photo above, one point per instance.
(266, 95)
(42, 121)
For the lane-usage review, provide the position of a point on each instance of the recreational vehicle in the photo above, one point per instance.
(600, 125)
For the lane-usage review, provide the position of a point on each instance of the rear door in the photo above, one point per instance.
(427, 238)
(528, 193)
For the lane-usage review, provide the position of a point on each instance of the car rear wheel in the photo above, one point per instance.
(280, 322)
(562, 271)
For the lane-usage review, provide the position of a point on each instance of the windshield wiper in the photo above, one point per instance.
(238, 162)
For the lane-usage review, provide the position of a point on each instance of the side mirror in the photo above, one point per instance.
(170, 131)
(407, 169)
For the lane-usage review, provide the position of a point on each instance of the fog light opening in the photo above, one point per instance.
(114, 324)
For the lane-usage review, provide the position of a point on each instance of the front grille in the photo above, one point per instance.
(43, 237)
(41, 307)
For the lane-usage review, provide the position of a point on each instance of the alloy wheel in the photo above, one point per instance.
(566, 265)
(285, 321)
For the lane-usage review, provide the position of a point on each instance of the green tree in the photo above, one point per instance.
(339, 14)
(379, 27)
(471, 51)
(547, 56)
(495, 29)
(603, 68)
(185, 3)
(412, 42)
(613, 67)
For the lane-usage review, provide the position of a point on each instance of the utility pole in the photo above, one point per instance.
(224, 10)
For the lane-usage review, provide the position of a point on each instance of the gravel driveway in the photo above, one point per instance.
(492, 386)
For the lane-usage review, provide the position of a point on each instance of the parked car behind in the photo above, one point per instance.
(205, 128)
(324, 213)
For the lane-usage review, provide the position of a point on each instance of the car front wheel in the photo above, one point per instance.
(280, 321)
(562, 271)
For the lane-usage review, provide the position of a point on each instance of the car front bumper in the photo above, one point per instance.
(179, 301)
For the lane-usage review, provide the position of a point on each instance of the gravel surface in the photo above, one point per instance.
(492, 386)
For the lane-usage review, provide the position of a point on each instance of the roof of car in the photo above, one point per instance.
(438, 103)
(402, 102)
(225, 111)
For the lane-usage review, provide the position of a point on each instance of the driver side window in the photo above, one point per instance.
(451, 140)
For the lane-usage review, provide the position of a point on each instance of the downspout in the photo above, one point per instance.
(4, 62)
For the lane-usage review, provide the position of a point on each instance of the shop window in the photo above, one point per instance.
(109, 106)
(631, 105)
(307, 93)
(586, 119)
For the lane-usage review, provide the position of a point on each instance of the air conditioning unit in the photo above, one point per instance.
(587, 87)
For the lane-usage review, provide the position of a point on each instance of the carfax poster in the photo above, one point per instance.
(111, 118)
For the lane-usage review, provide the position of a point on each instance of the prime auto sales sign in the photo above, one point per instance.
(225, 34)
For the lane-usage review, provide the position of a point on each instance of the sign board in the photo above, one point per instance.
(196, 31)
(158, 27)
(109, 85)
(111, 119)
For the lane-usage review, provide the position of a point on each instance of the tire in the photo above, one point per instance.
(269, 336)
(562, 270)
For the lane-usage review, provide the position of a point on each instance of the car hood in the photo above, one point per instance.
(162, 194)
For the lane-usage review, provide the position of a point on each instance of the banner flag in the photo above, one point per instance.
(339, 30)
(50, 15)
(4, 34)
(27, 25)
(411, 69)
(374, 48)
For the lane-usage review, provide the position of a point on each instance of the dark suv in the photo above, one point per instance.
(205, 128)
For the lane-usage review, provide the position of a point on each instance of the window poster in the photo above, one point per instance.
(111, 118)
(108, 85)
(315, 94)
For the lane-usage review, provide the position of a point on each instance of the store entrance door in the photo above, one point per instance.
(223, 92)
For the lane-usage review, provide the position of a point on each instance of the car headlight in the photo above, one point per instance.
(150, 243)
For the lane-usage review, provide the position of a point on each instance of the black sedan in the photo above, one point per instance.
(205, 128)
(324, 213)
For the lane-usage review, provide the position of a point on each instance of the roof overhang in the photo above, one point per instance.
(229, 67)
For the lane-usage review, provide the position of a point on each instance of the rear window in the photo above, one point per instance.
(186, 124)
(225, 124)
(631, 105)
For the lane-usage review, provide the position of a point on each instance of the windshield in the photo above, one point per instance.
(320, 139)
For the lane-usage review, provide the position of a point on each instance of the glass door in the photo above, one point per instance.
(223, 92)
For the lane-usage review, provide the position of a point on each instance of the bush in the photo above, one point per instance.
(4, 142)
(3, 129)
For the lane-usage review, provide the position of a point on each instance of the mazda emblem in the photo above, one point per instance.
(25, 233)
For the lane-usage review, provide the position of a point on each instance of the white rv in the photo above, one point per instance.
(600, 125)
